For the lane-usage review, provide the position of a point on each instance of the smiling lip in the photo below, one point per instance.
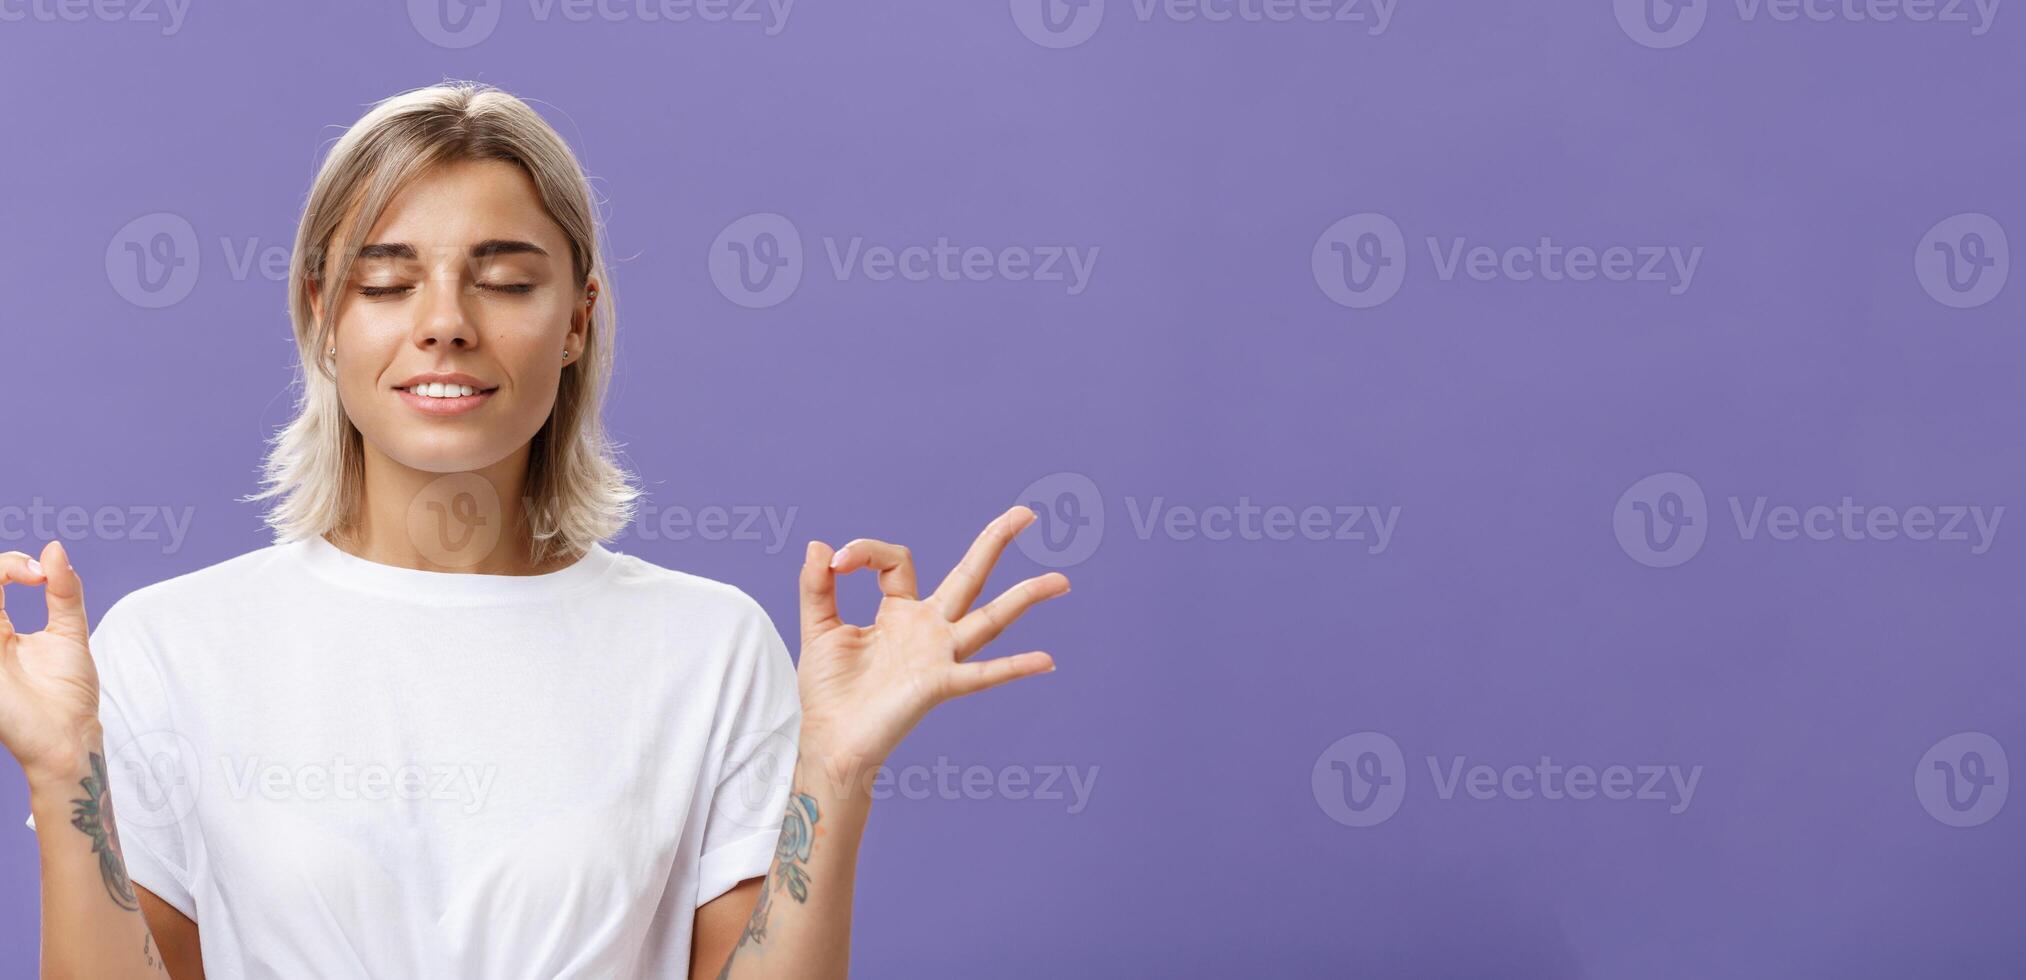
(454, 404)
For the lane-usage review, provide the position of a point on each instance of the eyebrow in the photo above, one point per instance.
(483, 250)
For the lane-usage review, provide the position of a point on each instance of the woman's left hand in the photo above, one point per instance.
(865, 687)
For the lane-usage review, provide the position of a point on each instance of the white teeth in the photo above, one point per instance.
(436, 389)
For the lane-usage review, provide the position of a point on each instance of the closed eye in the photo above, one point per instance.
(514, 289)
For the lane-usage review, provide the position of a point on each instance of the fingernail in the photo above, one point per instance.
(34, 567)
(837, 560)
(809, 552)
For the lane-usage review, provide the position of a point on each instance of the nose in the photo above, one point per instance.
(445, 319)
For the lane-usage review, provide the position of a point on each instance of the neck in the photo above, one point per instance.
(473, 522)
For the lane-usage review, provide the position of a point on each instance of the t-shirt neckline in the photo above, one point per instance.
(344, 568)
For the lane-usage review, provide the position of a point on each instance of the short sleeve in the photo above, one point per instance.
(754, 742)
(151, 766)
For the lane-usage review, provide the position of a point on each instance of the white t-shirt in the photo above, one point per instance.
(339, 768)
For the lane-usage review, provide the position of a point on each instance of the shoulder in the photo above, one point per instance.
(196, 594)
(714, 621)
(692, 599)
(136, 635)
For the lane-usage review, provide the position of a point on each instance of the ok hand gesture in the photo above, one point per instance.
(865, 687)
(48, 685)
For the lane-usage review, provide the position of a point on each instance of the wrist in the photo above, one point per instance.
(59, 774)
(836, 775)
(847, 748)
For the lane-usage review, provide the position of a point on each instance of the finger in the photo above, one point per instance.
(974, 677)
(961, 587)
(15, 568)
(985, 623)
(819, 592)
(64, 592)
(896, 565)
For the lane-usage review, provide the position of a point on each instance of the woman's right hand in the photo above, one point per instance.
(48, 684)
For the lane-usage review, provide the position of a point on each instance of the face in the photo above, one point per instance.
(452, 328)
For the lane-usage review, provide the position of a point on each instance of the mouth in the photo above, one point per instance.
(449, 396)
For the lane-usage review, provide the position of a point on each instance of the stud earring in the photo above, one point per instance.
(332, 352)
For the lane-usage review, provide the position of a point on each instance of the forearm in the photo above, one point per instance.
(801, 927)
(91, 920)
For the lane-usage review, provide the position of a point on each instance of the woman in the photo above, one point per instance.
(438, 729)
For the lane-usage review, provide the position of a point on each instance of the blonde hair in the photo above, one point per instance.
(575, 493)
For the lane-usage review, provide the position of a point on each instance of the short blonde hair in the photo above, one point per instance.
(575, 494)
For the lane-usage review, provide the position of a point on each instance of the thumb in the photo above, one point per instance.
(819, 592)
(64, 592)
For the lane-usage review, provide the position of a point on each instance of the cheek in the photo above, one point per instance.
(541, 324)
(536, 381)
(529, 346)
(370, 340)
(366, 348)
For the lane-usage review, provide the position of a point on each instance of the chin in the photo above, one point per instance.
(455, 454)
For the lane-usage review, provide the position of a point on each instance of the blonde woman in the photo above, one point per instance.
(380, 749)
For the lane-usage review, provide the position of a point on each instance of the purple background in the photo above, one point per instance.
(1203, 679)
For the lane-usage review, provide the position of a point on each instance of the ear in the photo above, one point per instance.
(316, 297)
(580, 320)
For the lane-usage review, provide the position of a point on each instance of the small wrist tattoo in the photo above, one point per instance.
(93, 816)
